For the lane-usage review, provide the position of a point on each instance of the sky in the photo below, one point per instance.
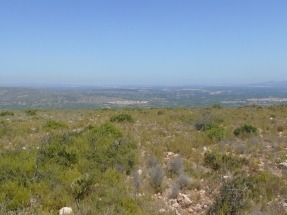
(142, 42)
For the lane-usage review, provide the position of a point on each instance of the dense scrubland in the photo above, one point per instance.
(144, 161)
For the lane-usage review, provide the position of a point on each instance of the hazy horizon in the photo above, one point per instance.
(142, 43)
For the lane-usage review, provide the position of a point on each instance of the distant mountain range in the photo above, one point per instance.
(271, 84)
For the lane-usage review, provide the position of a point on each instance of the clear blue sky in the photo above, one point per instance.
(142, 42)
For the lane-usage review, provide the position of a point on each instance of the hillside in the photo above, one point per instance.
(144, 161)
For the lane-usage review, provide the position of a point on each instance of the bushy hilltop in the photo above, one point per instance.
(144, 161)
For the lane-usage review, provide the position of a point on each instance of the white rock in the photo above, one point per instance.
(162, 211)
(283, 165)
(226, 177)
(66, 211)
(140, 171)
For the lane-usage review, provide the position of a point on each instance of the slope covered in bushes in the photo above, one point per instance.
(144, 161)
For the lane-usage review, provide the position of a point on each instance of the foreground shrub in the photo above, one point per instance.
(122, 118)
(110, 149)
(232, 198)
(237, 195)
(245, 129)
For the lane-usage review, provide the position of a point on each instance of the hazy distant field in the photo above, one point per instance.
(90, 98)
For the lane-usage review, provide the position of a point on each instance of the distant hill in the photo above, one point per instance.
(281, 84)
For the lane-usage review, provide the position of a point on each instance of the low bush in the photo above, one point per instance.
(5, 128)
(156, 178)
(217, 106)
(215, 132)
(136, 180)
(175, 165)
(204, 121)
(217, 161)
(53, 124)
(245, 129)
(152, 162)
(6, 113)
(183, 181)
(122, 118)
(31, 112)
(175, 189)
(232, 198)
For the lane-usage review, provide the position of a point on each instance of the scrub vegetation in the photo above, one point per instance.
(144, 161)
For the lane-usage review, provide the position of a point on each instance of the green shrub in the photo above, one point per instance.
(52, 124)
(217, 106)
(232, 198)
(245, 129)
(110, 149)
(237, 194)
(212, 160)
(216, 161)
(14, 195)
(204, 121)
(122, 118)
(215, 132)
(82, 187)
(106, 130)
(6, 113)
(5, 128)
(58, 153)
(31, 112)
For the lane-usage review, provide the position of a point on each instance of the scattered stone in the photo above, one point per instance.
(202, 192)
(140, 171)
(162, 211)
(183, 200)
(172, 201)
(197, 208)
(66, 211)
(226, 177)
(283, 165)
